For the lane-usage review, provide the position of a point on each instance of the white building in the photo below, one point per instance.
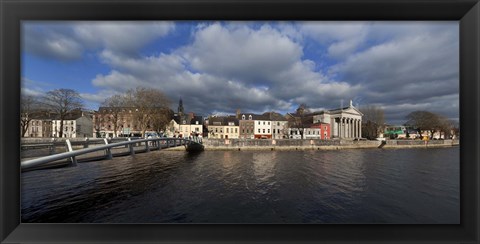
(74, 126)
(262, 128)
(344, 122)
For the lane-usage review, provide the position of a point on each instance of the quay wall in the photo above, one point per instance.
(278, 144)
(308, 144)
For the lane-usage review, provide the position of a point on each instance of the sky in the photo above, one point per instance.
(219, 67)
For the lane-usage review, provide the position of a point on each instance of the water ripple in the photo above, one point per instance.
(348, 186)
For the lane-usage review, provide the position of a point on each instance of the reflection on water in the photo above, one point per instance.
(348, 186)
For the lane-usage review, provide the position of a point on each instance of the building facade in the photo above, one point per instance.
(223, 127)
(39, 127)
(345, 123)
(74, 126)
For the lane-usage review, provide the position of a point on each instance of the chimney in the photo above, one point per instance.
(238, 113)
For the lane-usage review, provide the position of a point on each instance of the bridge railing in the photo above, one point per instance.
(149, 142)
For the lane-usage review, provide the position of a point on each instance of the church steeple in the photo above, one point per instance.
(180, 107)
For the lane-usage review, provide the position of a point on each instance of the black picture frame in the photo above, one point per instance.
(13, 12)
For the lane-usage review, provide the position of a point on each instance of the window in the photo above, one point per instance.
(268, 123)
(269, 131)
(278, 123)
(227, 130)
(263, 131)
(250, 117)
(236, 131)
(258, 130)
(216, 129)
(263, 122)
(258, 122)
(243, 131)
(278, 131)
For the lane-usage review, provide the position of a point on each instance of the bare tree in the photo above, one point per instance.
(62, 102)
(300, 119)
(425, 120)
(26, 110)
(162, 118)
(116, 104)
(373, 121)
(150, 106)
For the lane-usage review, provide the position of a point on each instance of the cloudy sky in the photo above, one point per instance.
(218, 67)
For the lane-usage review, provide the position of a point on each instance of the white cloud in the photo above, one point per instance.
(34, 88)
(121, 37)
(69, 40)
(264, 66)
(228, 67)
(240, 52)
(341, 38)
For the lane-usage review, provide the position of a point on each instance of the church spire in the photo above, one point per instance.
(180, 107)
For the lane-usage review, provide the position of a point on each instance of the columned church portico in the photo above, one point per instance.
(346, 122)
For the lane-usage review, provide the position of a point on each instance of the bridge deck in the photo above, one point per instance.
(90, 154)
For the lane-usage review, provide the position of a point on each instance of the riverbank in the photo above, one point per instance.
(307, 144)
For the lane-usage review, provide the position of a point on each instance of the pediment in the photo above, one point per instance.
(353, 110)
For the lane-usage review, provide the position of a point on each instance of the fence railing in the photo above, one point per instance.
(107, 147)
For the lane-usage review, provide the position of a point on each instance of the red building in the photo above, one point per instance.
(324, 130)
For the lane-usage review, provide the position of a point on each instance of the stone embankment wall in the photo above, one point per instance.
(280, 144)
(285, 144)
(307, 144)
(419, 143)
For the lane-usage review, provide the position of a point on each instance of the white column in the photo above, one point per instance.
(349, 128)
(341, 128)
(355, 126)
(346, 127)
(336, 131)
(349, 122)
(360, 127)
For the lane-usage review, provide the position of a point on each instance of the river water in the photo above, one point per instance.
(408, 186)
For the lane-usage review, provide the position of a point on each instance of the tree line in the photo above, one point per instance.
(374, 122)
(151, 110)
(151, 107)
